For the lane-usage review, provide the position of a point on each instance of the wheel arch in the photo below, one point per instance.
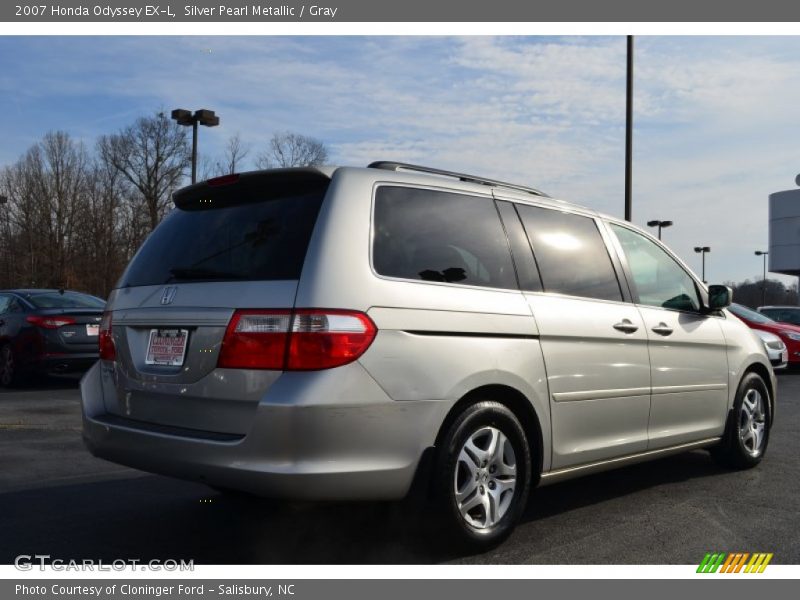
(517, 403)
(763, 372)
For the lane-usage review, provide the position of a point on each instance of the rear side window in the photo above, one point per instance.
(440, 236)
(571, 254)
(228, 238)
(65, 300)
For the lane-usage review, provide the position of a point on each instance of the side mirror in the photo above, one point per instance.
(719, 296)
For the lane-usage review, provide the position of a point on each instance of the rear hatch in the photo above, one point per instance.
(237, 242)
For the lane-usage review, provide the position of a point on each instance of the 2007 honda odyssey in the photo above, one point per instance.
(323, 333)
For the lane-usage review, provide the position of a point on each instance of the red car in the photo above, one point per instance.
(790, 334)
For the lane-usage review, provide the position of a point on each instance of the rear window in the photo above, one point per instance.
(65, 300)
(230, 234)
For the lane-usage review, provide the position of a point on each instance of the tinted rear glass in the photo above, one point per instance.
(65, 300)
(440, 236)
(229, 238)
(571, 253)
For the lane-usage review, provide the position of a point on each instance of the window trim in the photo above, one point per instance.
(702, 294)
(530, 256)
(489, 197)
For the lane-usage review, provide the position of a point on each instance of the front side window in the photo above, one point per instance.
(659, 280)
(440, 236)
(571, 253)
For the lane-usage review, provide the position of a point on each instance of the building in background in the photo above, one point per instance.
(784, 232)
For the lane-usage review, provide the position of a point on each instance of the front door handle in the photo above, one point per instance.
(662, 329)
(626, 326)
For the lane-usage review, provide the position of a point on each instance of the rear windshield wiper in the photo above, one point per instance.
(188, 273)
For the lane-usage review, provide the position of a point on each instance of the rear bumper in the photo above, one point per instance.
(328, 450)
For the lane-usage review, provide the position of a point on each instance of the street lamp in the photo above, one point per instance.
(659, 224)
(204, 117)
(702, 251)
(763, 253)
(629, 131)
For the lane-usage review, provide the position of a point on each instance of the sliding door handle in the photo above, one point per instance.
(625, 326)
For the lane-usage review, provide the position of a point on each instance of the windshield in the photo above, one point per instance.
(750, 315)
(261, 240)
(65, 300)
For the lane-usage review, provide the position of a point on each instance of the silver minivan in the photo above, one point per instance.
(344, 333)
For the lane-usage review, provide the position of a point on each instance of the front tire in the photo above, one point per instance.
(747, 433)
(482, 475)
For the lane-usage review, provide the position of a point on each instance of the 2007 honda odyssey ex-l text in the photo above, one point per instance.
(324, 333)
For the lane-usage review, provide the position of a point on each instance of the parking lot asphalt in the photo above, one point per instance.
(56, 499)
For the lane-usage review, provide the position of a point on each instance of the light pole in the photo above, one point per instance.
(204, 117)
(763, 253)
(659, 224)
(629, 132)
(702, 250)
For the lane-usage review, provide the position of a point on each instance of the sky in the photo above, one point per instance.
(716, 119)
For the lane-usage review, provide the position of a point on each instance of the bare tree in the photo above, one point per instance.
(235, 153)
(106, 242)
(287, 149)
(47, 202)
(152, 155)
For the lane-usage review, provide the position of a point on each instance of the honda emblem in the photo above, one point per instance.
(169, 294)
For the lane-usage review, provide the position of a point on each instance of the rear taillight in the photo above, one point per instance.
(49, 322)
(107, 349)
(255, 340)
(303, 340)
(322, 339)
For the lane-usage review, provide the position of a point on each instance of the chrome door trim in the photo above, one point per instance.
(600, 394)
(699, 387)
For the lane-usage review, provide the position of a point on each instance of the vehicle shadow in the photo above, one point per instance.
(44, 383)
(151, 517)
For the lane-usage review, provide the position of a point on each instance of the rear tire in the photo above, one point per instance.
(747, 432)
(10, 374)
(482, 475)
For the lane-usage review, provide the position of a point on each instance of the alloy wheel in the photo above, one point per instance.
(752, 421)
(485, 477)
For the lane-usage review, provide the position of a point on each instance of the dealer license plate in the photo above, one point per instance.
(166, 347)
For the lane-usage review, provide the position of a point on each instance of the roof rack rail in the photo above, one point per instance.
(399, 166)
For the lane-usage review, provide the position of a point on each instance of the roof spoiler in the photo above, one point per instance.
(251, 186)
